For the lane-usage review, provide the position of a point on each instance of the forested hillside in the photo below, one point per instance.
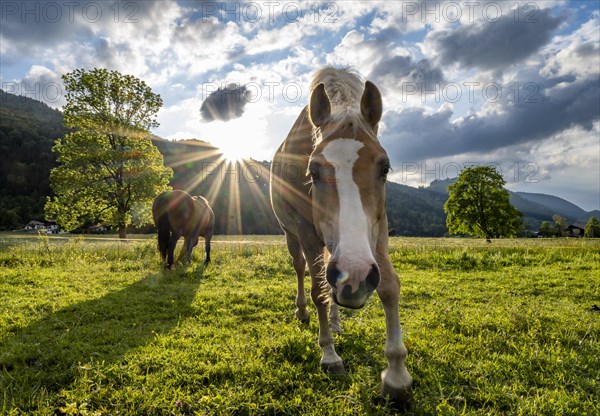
(239, 194)
(28, 129)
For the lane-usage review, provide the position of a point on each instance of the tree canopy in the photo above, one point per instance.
(479, 205)
(547, 229)
(592, 228)
(109, 171)
(107, 102)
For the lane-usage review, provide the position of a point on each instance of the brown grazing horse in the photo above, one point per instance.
(328, 182)
(178, 214)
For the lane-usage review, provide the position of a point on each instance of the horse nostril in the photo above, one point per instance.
(372, 279)
(332, 274)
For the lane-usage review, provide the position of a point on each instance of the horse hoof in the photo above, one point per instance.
(303, 317)
(336, 368)
(400, 399)
(336, 328)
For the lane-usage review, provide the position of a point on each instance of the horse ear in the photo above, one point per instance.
(319, 107)
(371, 106)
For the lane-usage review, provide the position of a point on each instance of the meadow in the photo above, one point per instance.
(96, 327)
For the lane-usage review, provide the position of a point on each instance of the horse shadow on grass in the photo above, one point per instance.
(47, 354)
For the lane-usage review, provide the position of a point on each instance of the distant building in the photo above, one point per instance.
(35, 226)
(50, 227)
(575, 230)
(97, 229)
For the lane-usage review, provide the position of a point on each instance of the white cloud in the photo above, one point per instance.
(577, 53)
(179, 54)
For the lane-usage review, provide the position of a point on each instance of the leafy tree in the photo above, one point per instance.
(547, 229)
(109, 171)
(478, 205)
(592, 228)
(560, 225)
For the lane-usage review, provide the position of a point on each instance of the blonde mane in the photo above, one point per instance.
(344, 88)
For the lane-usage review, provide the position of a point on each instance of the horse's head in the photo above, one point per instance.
(348, 169)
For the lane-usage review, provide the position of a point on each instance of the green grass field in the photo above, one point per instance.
(95, 327)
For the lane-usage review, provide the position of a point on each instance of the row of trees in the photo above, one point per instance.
(560, 227)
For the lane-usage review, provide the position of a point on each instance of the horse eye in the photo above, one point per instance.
(313, 171)
(385, 170)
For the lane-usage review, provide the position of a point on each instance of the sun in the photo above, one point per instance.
(233, 151)
(240, 139)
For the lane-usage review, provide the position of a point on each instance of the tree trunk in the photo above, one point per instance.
(122, 232)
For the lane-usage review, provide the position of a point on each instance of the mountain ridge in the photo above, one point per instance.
(28, 129)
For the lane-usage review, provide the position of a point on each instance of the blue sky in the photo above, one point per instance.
(510, 83)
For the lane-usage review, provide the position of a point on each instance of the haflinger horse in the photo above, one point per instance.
(178, 214)
(328, 182)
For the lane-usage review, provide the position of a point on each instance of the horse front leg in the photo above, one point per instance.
(396, 380)
(185, 255)
(330, 361)
(190, 241)
(334, 318)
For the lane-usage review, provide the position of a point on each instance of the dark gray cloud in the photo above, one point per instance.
(497, 44)
(404, 69)
(225, 103)
(29, 25)
(588, 50)
(413, 135)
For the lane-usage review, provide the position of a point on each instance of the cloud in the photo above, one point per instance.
(577, 53)
(400, 69)
(30, 25)
(40, 83)
(548, 166)
(225, 104)
(413, 134)
(495, 45)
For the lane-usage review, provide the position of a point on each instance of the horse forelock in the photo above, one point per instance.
(344, 88)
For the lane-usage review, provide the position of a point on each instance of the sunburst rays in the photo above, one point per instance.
(220, 179)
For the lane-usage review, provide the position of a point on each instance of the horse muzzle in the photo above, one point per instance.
(348, 291)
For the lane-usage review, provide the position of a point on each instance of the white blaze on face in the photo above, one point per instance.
(354, 249)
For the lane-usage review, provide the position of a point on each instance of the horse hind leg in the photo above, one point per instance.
(163, 242)
(163, 237)
(299, 264)
(207, 249)
(171, 248)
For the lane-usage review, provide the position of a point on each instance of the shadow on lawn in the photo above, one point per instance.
(47, 354)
